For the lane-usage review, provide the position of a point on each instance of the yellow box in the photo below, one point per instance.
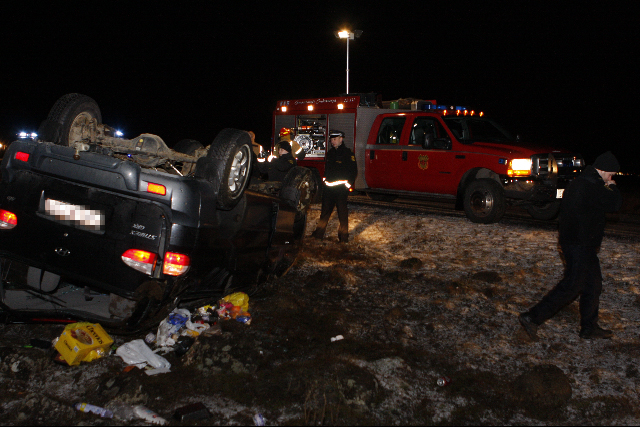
(83, 342)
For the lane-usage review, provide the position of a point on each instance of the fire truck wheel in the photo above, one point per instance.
(298, 188)
(227, 166)
(546, 211)
(484, 201)
(69, 119)
(379, 197)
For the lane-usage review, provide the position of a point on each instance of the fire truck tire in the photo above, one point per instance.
(227, 166)
(298, 188)
(484, 201)
(69, 116)
(379, 197)
(546, 211)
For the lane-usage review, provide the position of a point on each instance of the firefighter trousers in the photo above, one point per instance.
(582, 278)
(334, 197)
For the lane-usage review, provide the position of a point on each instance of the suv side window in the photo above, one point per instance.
(390, 130)
(424, 126)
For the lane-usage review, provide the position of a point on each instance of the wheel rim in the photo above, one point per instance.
(305, 195)
(239, 168)
(481, 203)
(78, 127)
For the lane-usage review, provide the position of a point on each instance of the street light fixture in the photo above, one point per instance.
(345, 34)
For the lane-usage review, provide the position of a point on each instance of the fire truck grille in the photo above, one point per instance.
(560, 164)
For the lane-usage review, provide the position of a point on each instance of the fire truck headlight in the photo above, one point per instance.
(519, 167)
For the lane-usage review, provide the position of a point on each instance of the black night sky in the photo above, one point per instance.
(552, 72)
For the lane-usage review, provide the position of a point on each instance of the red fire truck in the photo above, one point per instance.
(412, 148)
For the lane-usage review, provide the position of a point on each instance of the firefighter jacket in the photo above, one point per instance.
(340, 165)
(277, 168)
(583, 208)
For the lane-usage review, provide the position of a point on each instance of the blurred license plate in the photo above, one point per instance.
(559, 193)
(76, 214)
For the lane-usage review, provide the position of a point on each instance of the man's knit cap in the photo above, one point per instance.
(607, 162)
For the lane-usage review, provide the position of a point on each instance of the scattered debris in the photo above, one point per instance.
(193, 412)
(443, 381)
(83, 342)
(148, 415)
(138, 353)
(85, 407)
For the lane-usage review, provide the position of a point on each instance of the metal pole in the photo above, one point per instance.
(347, 65)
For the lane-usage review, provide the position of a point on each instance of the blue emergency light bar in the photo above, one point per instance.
(442, 107)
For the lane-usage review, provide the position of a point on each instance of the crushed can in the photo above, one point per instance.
(443, 381)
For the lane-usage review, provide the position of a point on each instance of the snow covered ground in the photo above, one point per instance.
(416, 297)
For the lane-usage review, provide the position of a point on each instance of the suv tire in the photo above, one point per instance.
(68, 118)
(227, 166)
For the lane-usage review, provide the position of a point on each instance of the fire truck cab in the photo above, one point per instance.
(413, 148)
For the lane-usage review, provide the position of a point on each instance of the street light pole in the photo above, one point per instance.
(347, 65)
(344, 34)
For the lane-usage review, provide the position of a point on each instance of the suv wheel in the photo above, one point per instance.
(70, 119)
(227, 166)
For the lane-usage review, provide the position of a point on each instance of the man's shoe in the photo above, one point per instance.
(317, 235)
(343, 238)
(595, 333)
(529, 327)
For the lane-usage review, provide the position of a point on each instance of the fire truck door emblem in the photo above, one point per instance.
(423, 162)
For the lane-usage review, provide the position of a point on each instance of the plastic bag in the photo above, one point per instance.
(138, 353)
(172, 325)
(239, 299)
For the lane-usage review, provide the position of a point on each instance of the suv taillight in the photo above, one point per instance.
(8, 220)
(140, 260)
(175, 264)
(21, 155)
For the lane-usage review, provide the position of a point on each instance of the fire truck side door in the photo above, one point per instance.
(384, 157)
(429, 166)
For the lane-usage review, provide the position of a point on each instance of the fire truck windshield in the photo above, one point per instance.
(475, 129)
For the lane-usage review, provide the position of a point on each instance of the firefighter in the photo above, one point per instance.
(297, 151)
(277, 167)
(340, 175)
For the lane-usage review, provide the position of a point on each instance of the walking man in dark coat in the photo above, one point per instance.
(340, 174)
(582, 221)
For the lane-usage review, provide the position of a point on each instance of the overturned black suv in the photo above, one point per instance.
(119, 232)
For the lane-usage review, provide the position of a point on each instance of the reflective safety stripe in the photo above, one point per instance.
(341, 182)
